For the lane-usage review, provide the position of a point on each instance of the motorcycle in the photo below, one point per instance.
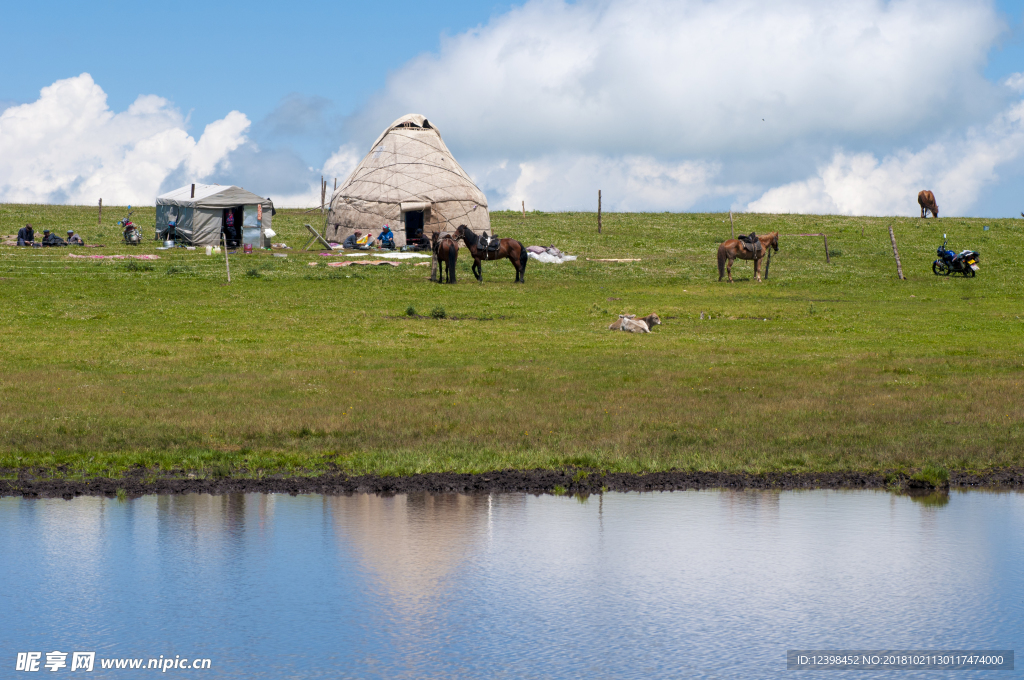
(131, 233)
(966, 262)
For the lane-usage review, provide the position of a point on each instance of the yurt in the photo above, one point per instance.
(409, 181)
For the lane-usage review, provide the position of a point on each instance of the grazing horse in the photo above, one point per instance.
(734, 249)
(446, 252)
(510, 248)
(926, 200)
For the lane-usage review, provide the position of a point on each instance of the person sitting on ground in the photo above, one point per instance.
(387, 238)
(352, 241)
(419, 241)
(51, 240)
(26, 236)
(74, 239)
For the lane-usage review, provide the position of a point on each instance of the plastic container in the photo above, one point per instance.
(209, 250)
(168, 244)
(216, 250)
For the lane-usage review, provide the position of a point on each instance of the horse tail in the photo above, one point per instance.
(524, 256)
(453, 253)
(721, 261)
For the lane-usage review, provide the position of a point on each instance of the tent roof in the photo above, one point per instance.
(409, 163)
(211, 196)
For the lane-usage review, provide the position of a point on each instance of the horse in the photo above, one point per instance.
(446, 252)
(510, 248)
(734, 249)
(926, 200)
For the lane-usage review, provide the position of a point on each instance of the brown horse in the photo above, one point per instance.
(510, 248)
(446, 251)
(734, 249)
(926, 200)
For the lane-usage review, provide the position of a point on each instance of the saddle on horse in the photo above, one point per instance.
(488, 243)
(750, 242)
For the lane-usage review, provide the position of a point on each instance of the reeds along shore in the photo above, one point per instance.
(827, 366)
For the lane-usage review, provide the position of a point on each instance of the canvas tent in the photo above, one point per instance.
(197, 214)
(409, 180)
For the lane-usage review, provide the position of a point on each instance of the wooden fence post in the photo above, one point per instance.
(828, 260)
(732, 229)
(99, 218)
(598, 211)
(323, 192)
(227, 264)
(896, 253)
(524, 208)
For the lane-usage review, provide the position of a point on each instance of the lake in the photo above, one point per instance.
(685, 584)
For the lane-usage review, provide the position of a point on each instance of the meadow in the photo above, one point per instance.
(298, 369)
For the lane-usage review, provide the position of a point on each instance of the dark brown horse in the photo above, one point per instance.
(926, 200)
(446, 251)
(734, 249)
(510, 248)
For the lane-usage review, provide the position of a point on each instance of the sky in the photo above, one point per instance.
(685, 105)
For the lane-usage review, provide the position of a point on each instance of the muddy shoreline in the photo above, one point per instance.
(42, 484)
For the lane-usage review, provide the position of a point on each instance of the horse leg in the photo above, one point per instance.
(728, 268)
(478, 271)
(757, 269)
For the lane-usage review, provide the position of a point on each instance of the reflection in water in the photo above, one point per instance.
(618, 585)
(410, 543)
(935, 499)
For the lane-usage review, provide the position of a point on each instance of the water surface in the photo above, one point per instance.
(685, 584)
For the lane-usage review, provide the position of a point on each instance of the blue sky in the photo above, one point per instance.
(543, 101)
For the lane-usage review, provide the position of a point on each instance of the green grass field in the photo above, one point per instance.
(295, 369)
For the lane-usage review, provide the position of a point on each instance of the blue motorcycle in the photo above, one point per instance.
(966, 262)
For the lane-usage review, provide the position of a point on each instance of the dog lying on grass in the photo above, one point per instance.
(629, 323)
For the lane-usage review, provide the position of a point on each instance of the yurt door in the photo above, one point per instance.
(413, 223)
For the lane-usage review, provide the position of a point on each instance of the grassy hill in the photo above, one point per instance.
(841, 366)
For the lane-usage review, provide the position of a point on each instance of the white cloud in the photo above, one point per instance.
(68, 146)
(662, 104)
(629, 183)
(859, 184)
(342, 163)
(686, 78)
(1015, 81)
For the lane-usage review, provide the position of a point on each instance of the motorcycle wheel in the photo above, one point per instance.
(968, 272)
(940, 268)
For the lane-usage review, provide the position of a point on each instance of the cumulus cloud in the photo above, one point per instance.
(68, 146)
(671, 104)
(662, 104)
(629, 183)
(955, 169)
(685, 78)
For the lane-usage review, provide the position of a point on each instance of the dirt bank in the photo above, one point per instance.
(44, 484)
